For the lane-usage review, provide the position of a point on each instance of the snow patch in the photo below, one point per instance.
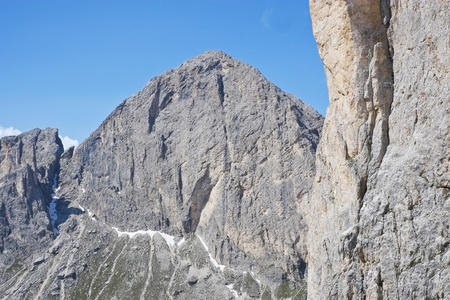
(92, 215)
(52, 207)
(170, 240)
(233, 291)
(213, 260)
(181, 242)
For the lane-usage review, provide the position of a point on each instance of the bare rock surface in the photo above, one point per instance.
(28, 165)
(210, 147)
(380, 227)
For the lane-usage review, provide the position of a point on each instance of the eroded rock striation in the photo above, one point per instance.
(381, 197)
(207, 182)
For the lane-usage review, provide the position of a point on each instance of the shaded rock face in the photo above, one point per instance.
(210, 147)
(381, 195)
(28, 165)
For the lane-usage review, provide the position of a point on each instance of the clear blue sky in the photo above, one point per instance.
(67, 64)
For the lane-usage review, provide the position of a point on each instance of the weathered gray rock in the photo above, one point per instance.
(381, 222)
(94, 262)
(210, 147)
(28, 164)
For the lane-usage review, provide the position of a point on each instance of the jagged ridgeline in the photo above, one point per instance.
(195, 187)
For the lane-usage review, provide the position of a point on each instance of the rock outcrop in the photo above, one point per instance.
(381, 206)
(28, 166)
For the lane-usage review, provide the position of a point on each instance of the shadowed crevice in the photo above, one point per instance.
(198, 200)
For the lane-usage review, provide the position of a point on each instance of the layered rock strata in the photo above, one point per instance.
(380, 227)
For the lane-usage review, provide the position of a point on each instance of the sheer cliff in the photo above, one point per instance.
(381, 206)
(29, 164)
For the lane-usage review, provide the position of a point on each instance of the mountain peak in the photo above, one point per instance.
(212, 60)
(206, 148)
(214, 55)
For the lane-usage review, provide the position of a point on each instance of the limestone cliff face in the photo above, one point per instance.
(381, 206)
(196, 187)
(28, 164)
(210, 147)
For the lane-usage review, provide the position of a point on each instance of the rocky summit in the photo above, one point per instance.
(195, 187)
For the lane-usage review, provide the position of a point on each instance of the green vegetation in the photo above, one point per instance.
(13, 269)
(96, 263)
(287, 290)
(250, 286)
(267, 295)
(416, 262)
(10, 272)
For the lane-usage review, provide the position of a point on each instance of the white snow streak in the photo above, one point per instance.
(233, 291)
(213, 260)
(170, 240)
(181, 242)
(253, 276)
(52, 207)
(92, 215)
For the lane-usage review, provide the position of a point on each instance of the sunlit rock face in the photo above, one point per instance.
(380, 227)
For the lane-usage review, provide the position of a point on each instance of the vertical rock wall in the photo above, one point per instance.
(380, 226)
(28, 164)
